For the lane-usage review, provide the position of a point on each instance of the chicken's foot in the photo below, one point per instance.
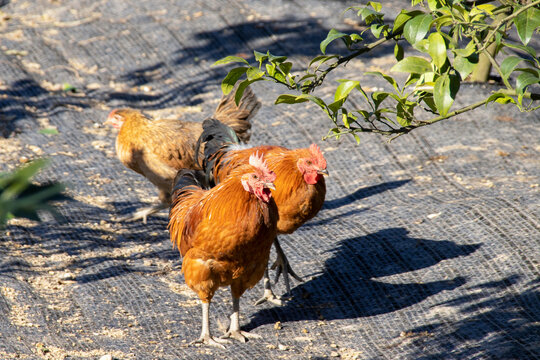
(206, 337)
(268, 294)
(234, 331)
(282, 266)
(143, 213)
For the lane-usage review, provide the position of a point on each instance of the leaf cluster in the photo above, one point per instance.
(20, 198)
(447, 37)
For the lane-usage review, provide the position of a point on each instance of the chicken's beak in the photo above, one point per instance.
(323, 172)
(270, 186)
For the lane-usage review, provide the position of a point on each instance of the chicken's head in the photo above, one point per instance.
(115, 118)
(260, 180)
(313, 167)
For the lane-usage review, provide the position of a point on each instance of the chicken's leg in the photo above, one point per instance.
(206, 337)
(282, 266)
(143, 213)
(268, 294)
(234, 328)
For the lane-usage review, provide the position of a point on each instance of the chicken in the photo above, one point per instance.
(224, 235)
(300, 185)
(159, 149)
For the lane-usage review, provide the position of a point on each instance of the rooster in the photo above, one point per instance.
(300, 185)
(224, 235)
(159, 149)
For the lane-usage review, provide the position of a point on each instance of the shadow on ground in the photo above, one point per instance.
(504, 325)
(346, 289)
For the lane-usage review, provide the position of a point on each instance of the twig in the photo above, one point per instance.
(501, 22)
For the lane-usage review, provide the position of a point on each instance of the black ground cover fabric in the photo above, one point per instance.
(426, 248)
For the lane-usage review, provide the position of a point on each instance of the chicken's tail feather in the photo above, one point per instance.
(238, 117)
(188, 179)
(216, 136)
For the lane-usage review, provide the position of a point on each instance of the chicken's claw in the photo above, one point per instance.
(282, 266)
(240, 335)
(210, 340)
(270, 297)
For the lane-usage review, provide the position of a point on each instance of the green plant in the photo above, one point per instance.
(20, 198)
(454, 39)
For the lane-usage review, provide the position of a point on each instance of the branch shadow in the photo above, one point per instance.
(363, 193)
(345, 288)
(27, 99)
(98, 249)
(498, 322)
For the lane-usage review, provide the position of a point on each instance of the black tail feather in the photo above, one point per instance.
(188, 177)
(215, 136)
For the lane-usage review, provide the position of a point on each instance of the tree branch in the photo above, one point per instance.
(501, 22)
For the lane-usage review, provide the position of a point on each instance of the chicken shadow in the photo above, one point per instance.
(501, 323)
(346, 288)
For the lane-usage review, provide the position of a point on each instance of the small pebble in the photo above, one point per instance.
(106, 357)
(334, 354)
(283, 347)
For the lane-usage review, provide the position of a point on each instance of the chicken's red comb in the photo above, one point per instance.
(257, 161)
(317, 154)
(111, 114)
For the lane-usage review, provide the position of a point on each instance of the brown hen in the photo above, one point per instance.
(158, 149)
(224, 235)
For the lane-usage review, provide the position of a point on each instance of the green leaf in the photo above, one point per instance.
(437, 49)
(229, 59)
(509, 64)
(375, 5)
(444, 92)
(404, 113)
(525, 79)
(434, 5)
(529, 50)
(378, 97)
(232, 77)
(336, 105)
(276, 59)
(465, 65)
(240, 91)
(468, 50)
(285, 67)
(253, 73)
(428, 100)
(289, 99)
(417, 28)
(49, 131)
(403, 17)
(388, 78)
(398, 52)
(260, 57)
(270, 69)
(526, 23)
(412, 64)
(500, 98)
(292, 99)
(344, 88)
(333, 34)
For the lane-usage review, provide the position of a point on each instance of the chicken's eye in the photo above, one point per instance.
(255, 176)
(309, 162)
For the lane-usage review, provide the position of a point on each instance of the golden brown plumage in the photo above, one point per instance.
(158, 149)
(300, 186)
(297, 201)
(224, 235)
